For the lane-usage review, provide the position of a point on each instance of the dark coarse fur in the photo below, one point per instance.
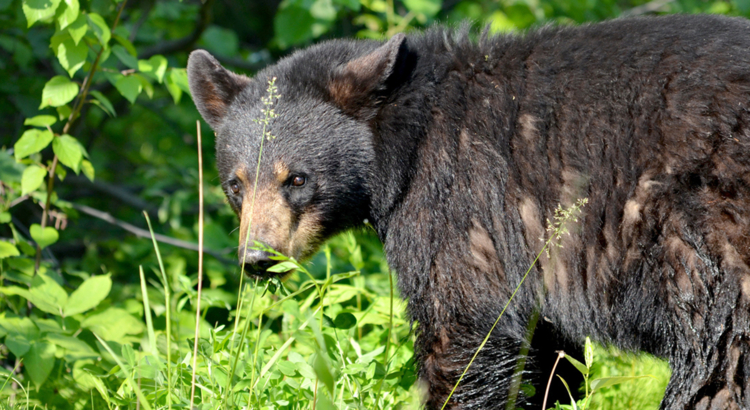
(458, 151)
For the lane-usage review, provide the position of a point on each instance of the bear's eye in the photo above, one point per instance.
(234, 187)
(298, 181)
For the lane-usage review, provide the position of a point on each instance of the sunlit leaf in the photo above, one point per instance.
(58, 91)
(69, 151)
(36, 10)
(78, 28)
(7, 249)
(40, 121)
(39, 361)
(44, 237)
(129, 87)
(31, 142)
(70, 55)
(99, 27)
(88, 295)
(70, 14)
(32, 178)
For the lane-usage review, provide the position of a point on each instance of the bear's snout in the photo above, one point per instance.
(256, 261)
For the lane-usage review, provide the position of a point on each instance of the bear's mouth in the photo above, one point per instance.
(259, 270)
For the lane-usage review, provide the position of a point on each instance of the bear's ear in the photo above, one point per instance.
(354, 86)
(213, 87)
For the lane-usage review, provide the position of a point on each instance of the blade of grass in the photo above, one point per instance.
(200, 263)
(147, 313)
(168, 306)
(133, 385)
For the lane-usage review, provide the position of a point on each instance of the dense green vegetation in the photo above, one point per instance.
(98, 129)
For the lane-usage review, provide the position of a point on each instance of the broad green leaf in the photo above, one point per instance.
(580, 366)
(70, 14)
(31, 142)
(323, 10)
(427, 7)
(345, 321)
(88, 169)
(5, 217)
(20, 333)
(71, 348)
(91, 292)
(41, 121)
(63, 112)
(156, 65)
(32, 178)
(113, 324)
(323, 370)
(611, 381)
(36, 10)
(104, 103)
(99, 27)
(78, 28)
(10, 169)
(58, 91)
(47, 294)
(129, 87)
(125, 57)
(70, 55)
(7, 250)
(68, 151)
(39, 361)
(43, 237)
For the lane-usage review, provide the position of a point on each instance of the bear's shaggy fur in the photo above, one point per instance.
(458, 151)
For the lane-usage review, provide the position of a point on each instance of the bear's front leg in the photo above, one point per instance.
(444, 353)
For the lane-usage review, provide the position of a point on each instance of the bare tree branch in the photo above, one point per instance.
(143, 233)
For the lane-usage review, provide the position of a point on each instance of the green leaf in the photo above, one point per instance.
(88, 169)
(91, 292)
(78, 28)
(43, 121)
(36, 10)
(103, 102)
(10, 169)
(63, 112)
(611, 381)
(44, 237)
(70, 14)
(145, 84)
(31, 142)
(20, 333)
(345, 321)
(7, 250)
(32, 178)
(68, 151)
(283, 267)
(113, 324)
(427, 7)
(100, 28)
(176, 83)
(580, 366)
(70, 348)
(323, 370)
(156, 65)
(39, 361)
(70, 54)
(47, 294)
(572, 401)
(129, 87)
(5, 217)
(126, 58)
(58, 91)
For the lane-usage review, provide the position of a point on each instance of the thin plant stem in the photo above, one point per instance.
(388, 339)
(200, 263)
(560, 355)
(239, 346)
(71, 118)
(168, 305)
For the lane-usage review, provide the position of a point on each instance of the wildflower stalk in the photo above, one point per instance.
(557, 228)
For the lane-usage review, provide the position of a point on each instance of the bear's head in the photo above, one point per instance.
(314, 164)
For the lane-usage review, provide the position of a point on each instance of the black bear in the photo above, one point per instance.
(459, 149)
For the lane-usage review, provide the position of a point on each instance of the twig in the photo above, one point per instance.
(143, 233)
(200, 262)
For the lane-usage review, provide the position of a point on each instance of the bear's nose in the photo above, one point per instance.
(256, 262)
